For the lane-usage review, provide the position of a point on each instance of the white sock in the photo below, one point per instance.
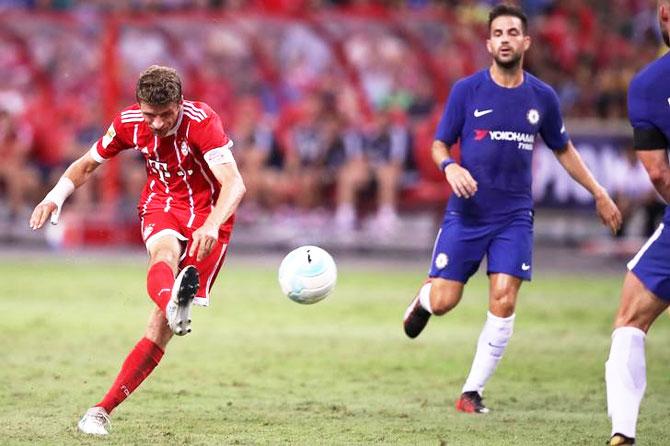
(386, 211)
(424, 297)
(491, 345)
(345, 216)
(626, 378)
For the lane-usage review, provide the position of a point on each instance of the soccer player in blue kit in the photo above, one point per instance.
(495, 114)
(646, 289)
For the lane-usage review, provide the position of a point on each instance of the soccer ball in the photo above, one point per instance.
(307, 274)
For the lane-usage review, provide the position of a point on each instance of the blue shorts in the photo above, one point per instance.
(462, 243)
(652, 263)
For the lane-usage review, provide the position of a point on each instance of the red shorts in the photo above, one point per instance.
(155, 225)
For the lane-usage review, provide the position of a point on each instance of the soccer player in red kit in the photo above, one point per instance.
(186, 211)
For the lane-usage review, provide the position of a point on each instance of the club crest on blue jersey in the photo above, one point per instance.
(533, 116)
(441, 260)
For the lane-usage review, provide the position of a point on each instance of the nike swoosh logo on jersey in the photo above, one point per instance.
(525, 266)
(480, 113)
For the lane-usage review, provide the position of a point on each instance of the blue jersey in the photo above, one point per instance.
(497, 128)
(648, 107)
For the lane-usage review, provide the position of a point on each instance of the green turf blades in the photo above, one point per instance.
(262, 370)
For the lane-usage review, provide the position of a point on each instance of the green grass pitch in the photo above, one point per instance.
(261, 370)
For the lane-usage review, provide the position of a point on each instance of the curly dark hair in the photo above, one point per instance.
(158, 86)
(510, 10)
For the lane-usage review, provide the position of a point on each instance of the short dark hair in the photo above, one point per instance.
(159, 86)
(504, 9)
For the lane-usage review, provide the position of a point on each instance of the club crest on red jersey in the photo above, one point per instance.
(147, 231)
(184, 148)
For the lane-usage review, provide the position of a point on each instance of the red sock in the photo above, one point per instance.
(138, 365)
(160, 280)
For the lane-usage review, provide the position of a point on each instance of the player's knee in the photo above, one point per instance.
(165, 255)
(442, 303)
(638, 308)
(503, 301)
(444, 296)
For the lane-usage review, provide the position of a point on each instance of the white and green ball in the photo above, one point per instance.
(307, 274)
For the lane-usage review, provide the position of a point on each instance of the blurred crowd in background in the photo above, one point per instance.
(332, 105)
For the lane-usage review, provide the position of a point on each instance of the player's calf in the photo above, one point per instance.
(178, 309)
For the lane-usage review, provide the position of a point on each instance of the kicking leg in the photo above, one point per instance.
(173, 296)
(625, 370)
(492, 342)
(164, 256)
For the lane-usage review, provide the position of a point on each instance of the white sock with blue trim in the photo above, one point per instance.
(491, 346)
(424, 297)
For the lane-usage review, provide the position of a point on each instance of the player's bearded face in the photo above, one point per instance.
(507, 42)
(160, 118)
(508, 59)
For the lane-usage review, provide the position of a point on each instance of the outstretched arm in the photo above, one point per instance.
(232, 191)
(75, 175)
(607, 211)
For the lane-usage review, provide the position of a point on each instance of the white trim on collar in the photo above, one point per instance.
(174, 129)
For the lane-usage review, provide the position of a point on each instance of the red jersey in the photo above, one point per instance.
(178, 175)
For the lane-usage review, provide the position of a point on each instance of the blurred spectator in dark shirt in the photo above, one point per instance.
(305, 141)
(379, 163)
(254, 148)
